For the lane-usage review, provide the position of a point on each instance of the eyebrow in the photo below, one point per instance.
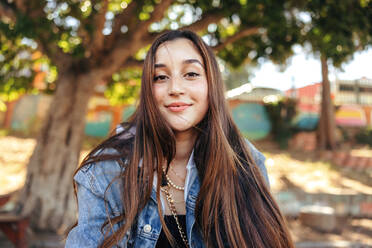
(187, 61)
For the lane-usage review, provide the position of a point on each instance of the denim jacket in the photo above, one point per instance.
(92, 181)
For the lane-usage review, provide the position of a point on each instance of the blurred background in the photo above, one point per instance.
(298, 76)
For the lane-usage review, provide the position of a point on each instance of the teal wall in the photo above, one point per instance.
(127, 112)
(252, 120)
(100, 127)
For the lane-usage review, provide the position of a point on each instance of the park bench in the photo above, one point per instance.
(13, 226)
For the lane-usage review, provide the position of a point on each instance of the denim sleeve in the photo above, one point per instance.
(259, 159)
(92, 181)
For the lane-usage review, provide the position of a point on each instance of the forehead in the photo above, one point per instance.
(177, 50)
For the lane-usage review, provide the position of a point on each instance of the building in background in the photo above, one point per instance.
(247, 106)
(352, 99)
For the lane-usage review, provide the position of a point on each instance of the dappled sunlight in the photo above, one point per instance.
(11, 182)
(366, 152)
(352, 184)
(15, 153)
(309, 176)
(284, 170)
(359, 231)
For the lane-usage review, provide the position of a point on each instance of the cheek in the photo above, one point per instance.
(203, 93)
(158, 93)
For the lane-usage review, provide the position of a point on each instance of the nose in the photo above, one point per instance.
(175, 87)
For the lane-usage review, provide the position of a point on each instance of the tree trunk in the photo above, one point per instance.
(47, 196)
(9, 113)
(327, 126)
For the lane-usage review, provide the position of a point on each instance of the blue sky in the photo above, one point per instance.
(304, 69)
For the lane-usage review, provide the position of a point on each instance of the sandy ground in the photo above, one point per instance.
(308, 172)
(15, 153)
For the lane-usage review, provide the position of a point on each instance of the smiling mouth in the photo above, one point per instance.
(178, 107)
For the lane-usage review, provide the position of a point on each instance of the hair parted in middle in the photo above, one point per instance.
(234, 207)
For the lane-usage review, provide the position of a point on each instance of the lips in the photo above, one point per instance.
(178, 106)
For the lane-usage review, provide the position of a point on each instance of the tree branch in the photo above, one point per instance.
(124, 17)
(203, 23)
(32, 9)
(133, 63)
(6, 11)
(208, 18)
(21, 5)
(98, 37)
(237, 36)
(51, 49)
(156, 16)
(56, 55)
(125, 47)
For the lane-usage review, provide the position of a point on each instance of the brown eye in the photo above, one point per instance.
(192, 75)
(160, 78)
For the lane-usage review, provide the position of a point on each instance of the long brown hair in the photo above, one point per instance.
(234, 207)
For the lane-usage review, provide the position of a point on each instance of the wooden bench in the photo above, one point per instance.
(13, 226)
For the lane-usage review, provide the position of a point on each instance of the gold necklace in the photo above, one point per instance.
(172, 208)
(171, 183)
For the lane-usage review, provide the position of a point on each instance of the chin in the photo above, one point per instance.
(180, 128)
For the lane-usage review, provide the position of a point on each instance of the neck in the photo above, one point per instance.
(184, 144)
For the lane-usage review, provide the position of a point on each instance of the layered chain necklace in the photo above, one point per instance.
(171, 205)
(169, 181)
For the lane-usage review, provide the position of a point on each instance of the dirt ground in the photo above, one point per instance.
(307, 171)
(293, 170)
(356, 231)
(287, 169)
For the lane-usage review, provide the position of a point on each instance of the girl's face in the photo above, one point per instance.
(180, 84)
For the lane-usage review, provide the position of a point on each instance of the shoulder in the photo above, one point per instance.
(97, 176)
(99, 197)
(259, 159)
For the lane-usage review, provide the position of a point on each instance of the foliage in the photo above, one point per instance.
(2, 106)
(16, 64)
(235, 77)
(124, 87)
(4, 132)
(278, 31)
(71, 25)
(364, 136)
(344, 133)
(336, 29)
(20, 62)
(281, 114)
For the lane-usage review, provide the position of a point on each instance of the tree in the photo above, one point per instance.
(235, 77)
(89, 41)
(335, 30)
(20, 64)
(16, 74)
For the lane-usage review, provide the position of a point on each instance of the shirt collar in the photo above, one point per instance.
(190, 175)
